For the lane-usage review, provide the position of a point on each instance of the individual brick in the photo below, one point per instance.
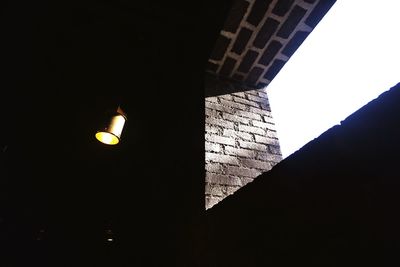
(233, 104)
(212, 147)
(266, 140)
(214, 167)
(258, 11)
(282, 7)
(239, 94)
(294, 43)
(253, 146)
(222, 179)
(212, 99)
(262, 125)
(239, 152)
(257, 99)
(266, 32)
(242, 172)
(268, 119)
(259, 111)
(227, 97)
(218, 158)
(238, 135)
(235, 118)
(252, 163)
(264, 156)
(219, 139)
(241, 40)
(218, 107)
(251, 129)
(220, 122)
(272, 134)
(251, 92)
(291, 22)
(236, 14)
(247, 61)
(249, 115)
(263, 95)
(270, 52)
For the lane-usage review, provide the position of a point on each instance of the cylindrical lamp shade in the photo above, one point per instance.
(111, 133)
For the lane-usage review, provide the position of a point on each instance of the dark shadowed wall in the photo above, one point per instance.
(63, 64)
(333, 203)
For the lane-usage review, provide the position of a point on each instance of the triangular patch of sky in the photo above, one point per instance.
(350, 58)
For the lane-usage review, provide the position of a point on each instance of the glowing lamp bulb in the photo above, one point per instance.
(111, 134)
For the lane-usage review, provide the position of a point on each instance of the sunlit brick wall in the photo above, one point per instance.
(241, 142)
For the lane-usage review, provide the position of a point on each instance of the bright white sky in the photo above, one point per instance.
(350, 58)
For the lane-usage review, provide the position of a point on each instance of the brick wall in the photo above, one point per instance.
(259, 37)
(241, 140)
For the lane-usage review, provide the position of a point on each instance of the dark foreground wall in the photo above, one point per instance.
(333, 203)
(63, 64)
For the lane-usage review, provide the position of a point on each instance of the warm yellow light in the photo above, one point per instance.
(107, 138)
(111, 134)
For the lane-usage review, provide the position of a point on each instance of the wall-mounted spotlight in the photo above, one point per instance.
(110, 133)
